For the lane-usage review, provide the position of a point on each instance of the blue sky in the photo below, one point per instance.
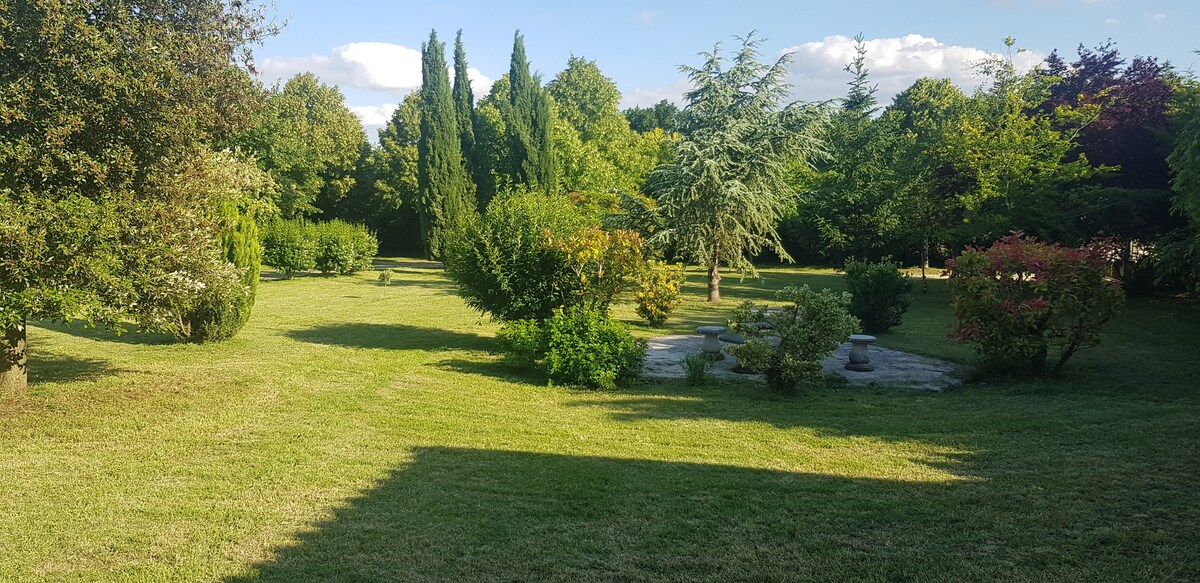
(370, 48)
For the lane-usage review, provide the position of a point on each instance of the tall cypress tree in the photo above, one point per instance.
(464, 110)
(528, 123)
(445, 194)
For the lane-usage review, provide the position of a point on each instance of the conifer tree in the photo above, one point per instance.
(860, 101)
(723, 195)
(445, 199)
(529, 123)
(464, 111)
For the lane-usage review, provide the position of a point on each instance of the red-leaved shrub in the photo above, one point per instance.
(1019, 299)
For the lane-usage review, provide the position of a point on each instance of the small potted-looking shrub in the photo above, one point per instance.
(807, 330)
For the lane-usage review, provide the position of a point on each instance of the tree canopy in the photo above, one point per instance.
(445, 188)
(101, 114)
(309, 141)
(725, 192)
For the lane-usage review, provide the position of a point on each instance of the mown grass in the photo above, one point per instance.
(359, 432)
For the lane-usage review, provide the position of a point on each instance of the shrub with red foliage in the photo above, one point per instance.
(1019, 299)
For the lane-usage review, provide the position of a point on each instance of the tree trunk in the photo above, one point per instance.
(14, 370)
(714, 282)
(714, 274)
(924, 266)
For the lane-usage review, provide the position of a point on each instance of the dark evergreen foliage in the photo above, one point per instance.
(445, 198)
(663, 115)
(464, 112)
(528, 124)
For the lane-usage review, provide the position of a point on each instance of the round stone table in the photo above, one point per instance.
(712, 342)
(860, 360)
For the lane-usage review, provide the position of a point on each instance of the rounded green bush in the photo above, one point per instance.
(289, 246)
(878, 293)
(343, 248)
(589, 349)
(501, 261)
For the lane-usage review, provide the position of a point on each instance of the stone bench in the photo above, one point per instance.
(860, 360)
(712, 343)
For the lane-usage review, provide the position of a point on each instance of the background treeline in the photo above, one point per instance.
(1079, 147)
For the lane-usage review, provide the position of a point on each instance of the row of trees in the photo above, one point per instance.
(444, 155)
(1066, 152)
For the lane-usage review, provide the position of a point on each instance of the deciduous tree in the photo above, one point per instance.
(100, 106)
(309, 141)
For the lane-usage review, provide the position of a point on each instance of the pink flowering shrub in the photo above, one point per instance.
(1020, 299)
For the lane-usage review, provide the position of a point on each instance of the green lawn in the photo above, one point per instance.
(359, 432)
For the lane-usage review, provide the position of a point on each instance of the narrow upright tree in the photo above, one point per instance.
(528, 123)
(860, 101)
(464, 112)
(723, 195)
(441, 175)
(850, 201)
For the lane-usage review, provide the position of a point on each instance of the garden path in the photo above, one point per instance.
(892, 367)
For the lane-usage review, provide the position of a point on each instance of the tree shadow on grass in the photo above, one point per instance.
(105, 334)
(390, 337)
(47, 367)
(487, 515)
(414, 264)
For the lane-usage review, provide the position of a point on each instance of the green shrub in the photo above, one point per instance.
(754, 355)
(808, 330)
(1020, 298)
(224, 309)
(587, 348)
(343, 248)
(289, 246)
(605, 263)
(522, 342)
(197, 301)
(658, 292)
(502, 263)
(385, 277)
(878, 293)
(695, 369)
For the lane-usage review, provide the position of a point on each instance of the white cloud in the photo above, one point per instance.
(374, 115)
(816, 72)
(640, 97)
(480, 84)
(1157, 16)
(374, 118)
(646, 16)
(1111, 20)
(372, 66)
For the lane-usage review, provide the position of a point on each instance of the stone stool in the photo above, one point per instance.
(712, 343)
(859, 359)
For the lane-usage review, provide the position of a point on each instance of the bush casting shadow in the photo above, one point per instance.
(390, 337)
(407, 264)
(496, 369)
(470, 515)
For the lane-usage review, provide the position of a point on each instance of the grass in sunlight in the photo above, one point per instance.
(355, 431)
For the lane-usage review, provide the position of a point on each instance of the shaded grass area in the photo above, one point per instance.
(359, 432)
